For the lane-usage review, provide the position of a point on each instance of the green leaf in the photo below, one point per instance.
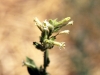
(38, 46)
(29, 63)
(31, 67)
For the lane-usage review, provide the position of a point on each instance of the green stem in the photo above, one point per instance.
(46, 60)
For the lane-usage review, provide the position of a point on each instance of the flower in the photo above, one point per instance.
(65, 31)
(48, 25)
(38, 24)
(60, 44)
(70, 23)
(48, 28)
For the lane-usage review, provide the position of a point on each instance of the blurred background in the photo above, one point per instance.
(17, 33)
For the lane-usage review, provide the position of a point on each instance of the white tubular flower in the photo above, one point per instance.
(61, 45)
(46, 29)
(47, 24)
(65, 31)
(38, 24)
(70, 23)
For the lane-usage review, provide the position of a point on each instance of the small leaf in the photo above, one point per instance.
(31, 67)
(29, 63)
(38, 46)
(48, 61)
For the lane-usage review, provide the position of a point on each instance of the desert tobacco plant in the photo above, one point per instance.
(47, 41)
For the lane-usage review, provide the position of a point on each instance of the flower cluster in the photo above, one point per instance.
(47, 28)
(47, 41)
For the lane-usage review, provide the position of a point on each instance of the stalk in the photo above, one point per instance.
(46, 61)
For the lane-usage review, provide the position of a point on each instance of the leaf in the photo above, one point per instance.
(31, 67)
(38, 46)
(29, 63)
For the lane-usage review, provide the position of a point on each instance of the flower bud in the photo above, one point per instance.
(64, 20)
